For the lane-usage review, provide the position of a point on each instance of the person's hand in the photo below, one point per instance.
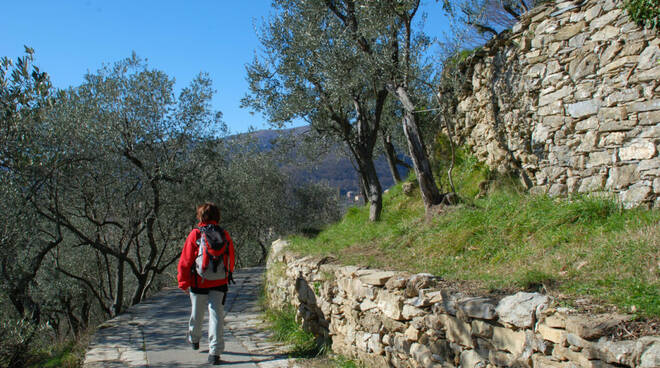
(187, 290)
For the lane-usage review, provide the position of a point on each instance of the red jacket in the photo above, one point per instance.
(187, 261)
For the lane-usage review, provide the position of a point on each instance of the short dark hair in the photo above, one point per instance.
(208, 212)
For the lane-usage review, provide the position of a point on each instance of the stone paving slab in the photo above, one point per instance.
(152, 333)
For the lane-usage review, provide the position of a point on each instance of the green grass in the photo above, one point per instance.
(286, 329)
(67, 354)
(581, 246)
(644, 12)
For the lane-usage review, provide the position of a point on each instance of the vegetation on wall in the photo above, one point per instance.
(644, 12)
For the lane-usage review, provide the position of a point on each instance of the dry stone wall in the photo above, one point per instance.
(392, 319)
(570, 98)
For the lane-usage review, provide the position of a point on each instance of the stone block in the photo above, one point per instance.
(393, 325)
(617, 352)
(520, 309)
(547, 362)
(572, 184)
(637, 151)
(577, 341)
(482, 308)
(539, 41)
(418, 282)
(625, 95)
(608, 33)
(614, 139)
(361, 291)
(555, 96)
(433, 321)
(618, 64)
(656, 186)
(418, 302)
(470, 359)
(583, 109)
(582, 67)
(367, 305)
(605, 19)
(412, 333)
(585, 91)
(401, 343)
(557, 190)
(553, 67)
(421, 353)
(621, 177)
(481, 329)
(652, 132)
(377, 278)
(648, 350)
(649, 57)
(613, 113)
(649, 118)
(501, 358)
(617, 125)
(649, 164)
(536, 71)
(448, 304)
(509, 340)
(457, 330)
(390, 304)
(577, 358)
(647, 75)
(587, 124)
(553, 107)
(540, 134)
(396, 282)
(549, 80)
(635, 196)
(633, 48)
(409, 312)
(592, 327)
(593, 12)
(548, 333)
(644, 106)
(610, 53)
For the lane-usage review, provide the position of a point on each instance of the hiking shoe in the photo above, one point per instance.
(214, 359)
(195, 345)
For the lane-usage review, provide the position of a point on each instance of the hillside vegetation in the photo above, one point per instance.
(584, 246)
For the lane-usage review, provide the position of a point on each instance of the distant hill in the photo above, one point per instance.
(332, 168)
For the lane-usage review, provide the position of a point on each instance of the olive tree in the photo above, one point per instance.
(397, 54)
(119, 188)
(311, 70)
(258, 200)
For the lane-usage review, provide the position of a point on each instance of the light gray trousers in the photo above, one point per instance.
(216, 320)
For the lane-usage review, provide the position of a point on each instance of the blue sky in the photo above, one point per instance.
(182, 38)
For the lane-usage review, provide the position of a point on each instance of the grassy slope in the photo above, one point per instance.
(573, 248)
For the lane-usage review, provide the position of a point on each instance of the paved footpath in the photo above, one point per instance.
(152, 333)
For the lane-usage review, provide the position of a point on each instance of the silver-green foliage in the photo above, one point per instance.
(311, 69)
(100, 185)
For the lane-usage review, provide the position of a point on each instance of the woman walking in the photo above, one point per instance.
(205, 267)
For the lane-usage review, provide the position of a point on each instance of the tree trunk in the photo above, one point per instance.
(430, 194)
(118, 302)
(390, 154)
(372, 188)
(140, 289)
(363, 187)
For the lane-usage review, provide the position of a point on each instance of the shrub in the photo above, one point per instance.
(644, 12)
